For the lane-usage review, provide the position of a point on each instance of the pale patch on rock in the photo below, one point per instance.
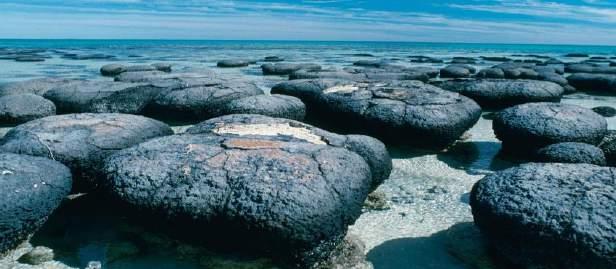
(349, 88)
(275, 129)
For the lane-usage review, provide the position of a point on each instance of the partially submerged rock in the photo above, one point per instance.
(276, 184)
(233, 63)
(549, 215)
(593, 82)
(499, 93)
(32, 188)
(24, 107)
(103, 97)
(287, 68)
(411, 111)
(81, 141)
(457, 71)
(276, 105)
(33, 86)
(529, 127)
(571, 152)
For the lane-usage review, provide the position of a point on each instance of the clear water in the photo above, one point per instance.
(427, 191)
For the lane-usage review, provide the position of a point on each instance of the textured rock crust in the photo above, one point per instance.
(571, 152)
(411, 111)
(593, 82)
(102, 97)
(550, 215)
(24, 107)
(32, 188)
(529, 127)
(499, 93)
(287, 68)
(276, 105)
(33, 86)
(81, 141)
(608, 145)
(275, 183)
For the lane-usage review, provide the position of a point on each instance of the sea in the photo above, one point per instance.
(427, 221)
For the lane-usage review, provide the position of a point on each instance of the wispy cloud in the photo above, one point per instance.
(310, 19)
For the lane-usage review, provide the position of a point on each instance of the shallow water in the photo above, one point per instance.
(427, 192)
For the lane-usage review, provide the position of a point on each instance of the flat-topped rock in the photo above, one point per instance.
(593, 82)
(404, 111)
(275, 105)
(549, 215)
(81, 141)
(33, 86)
(233, 63)
(457, 71)
(24, 107)
(535, 125)
(499, 93)
(276, 184)
(287, 68)
(103, 97)
(571, 152)
(32, 188)
(203, 99)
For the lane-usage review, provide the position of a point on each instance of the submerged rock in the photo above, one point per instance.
(571, 152)
(276, 184)
(287, 68)
(81, 141)
(32, 188)
(529, 127)
(33, 86)
(276, 105)
(499, 93)
(593, 82)
(549, 215)
(24, 107)
(406, 111)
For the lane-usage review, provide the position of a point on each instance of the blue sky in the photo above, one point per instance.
(492, 21)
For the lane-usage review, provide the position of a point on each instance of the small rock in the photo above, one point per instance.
(376, 200)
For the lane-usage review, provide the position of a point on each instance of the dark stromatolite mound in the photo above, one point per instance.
(590, 68)
(81, 141)
(32, 188)
(273, 59)
(112, 70)
(499, 93)
(571, 152)
(608, 145)
(326, 74)
(233, 63)
(276, 105)
(593, 82)
(103, 97)
(405, 111)
(287, 68)
(201, 98)
(275, 184)
(19, 108)
(33, 86)
(576, 55)
(490, 73)
(457, 71)
(529, 127)
(550, 215)
(605, 111)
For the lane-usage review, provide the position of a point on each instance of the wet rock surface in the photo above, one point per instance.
(283, 185)
(500, 93)
(537, 215)
(531, 126)
(81, 141)
(24, 107)
(33, 188)
(412, 111)
(571, 152)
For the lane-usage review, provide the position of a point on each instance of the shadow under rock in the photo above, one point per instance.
(460, 246)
